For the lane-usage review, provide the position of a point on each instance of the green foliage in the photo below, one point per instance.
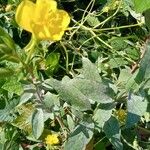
(37, 123)
(71, 95)
(102, 114)
(92, 88)
(13, 86)
(8, 113)
(144, 71)
(136, 107)
(112, 131)
(6, 72)
(82, 134)
(141, 6)
(52, 62)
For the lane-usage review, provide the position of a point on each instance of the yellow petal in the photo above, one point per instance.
(65, 18)
(24, 14)
(53, 28)
(43, 8)
(58, 23)
(52, 139)
(41, 32)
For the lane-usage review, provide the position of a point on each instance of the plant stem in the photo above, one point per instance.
(120, 27)
(67, 58)
(30, 48)
(107, 19)
(62, 125)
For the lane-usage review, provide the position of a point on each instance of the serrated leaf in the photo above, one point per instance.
(80, 137)
(13, 86)
(136, 107)
(7, 53)
(37, 123)
(112, 131)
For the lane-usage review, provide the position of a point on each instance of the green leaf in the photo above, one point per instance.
(23, 120)
(52, 62)
(8, 113)
(7, 39)
(13, 86)
(90, 84)
(129, 135)
(117, 62)
(71, 123)
(92, 20)
(127, 80)
(136, 107)
(93, 90)
(102, 114)
(144, 70)
(133, 53)
(118, 43)
(50, 100)
(37, 123)
(5, 49)
(141, 5)
(147, 18)
(80, 137)
(25, 97)
(6, 72)
(7, 53)
(79, 91)
(90, 70)
(112, 131)
(70, 94)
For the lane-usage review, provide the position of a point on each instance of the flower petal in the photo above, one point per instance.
(52, 29)
(43, 8)
(41, 31)
(65, 18)
(24, 14)
(58, 23)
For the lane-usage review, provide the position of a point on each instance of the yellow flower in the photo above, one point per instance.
(42, 19)
(52, 139)
(121, 114)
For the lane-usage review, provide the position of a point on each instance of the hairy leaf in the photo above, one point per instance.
(37, 123)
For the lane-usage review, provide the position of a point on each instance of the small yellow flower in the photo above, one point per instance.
(52, 139)
(121, 114)
(42, 19)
